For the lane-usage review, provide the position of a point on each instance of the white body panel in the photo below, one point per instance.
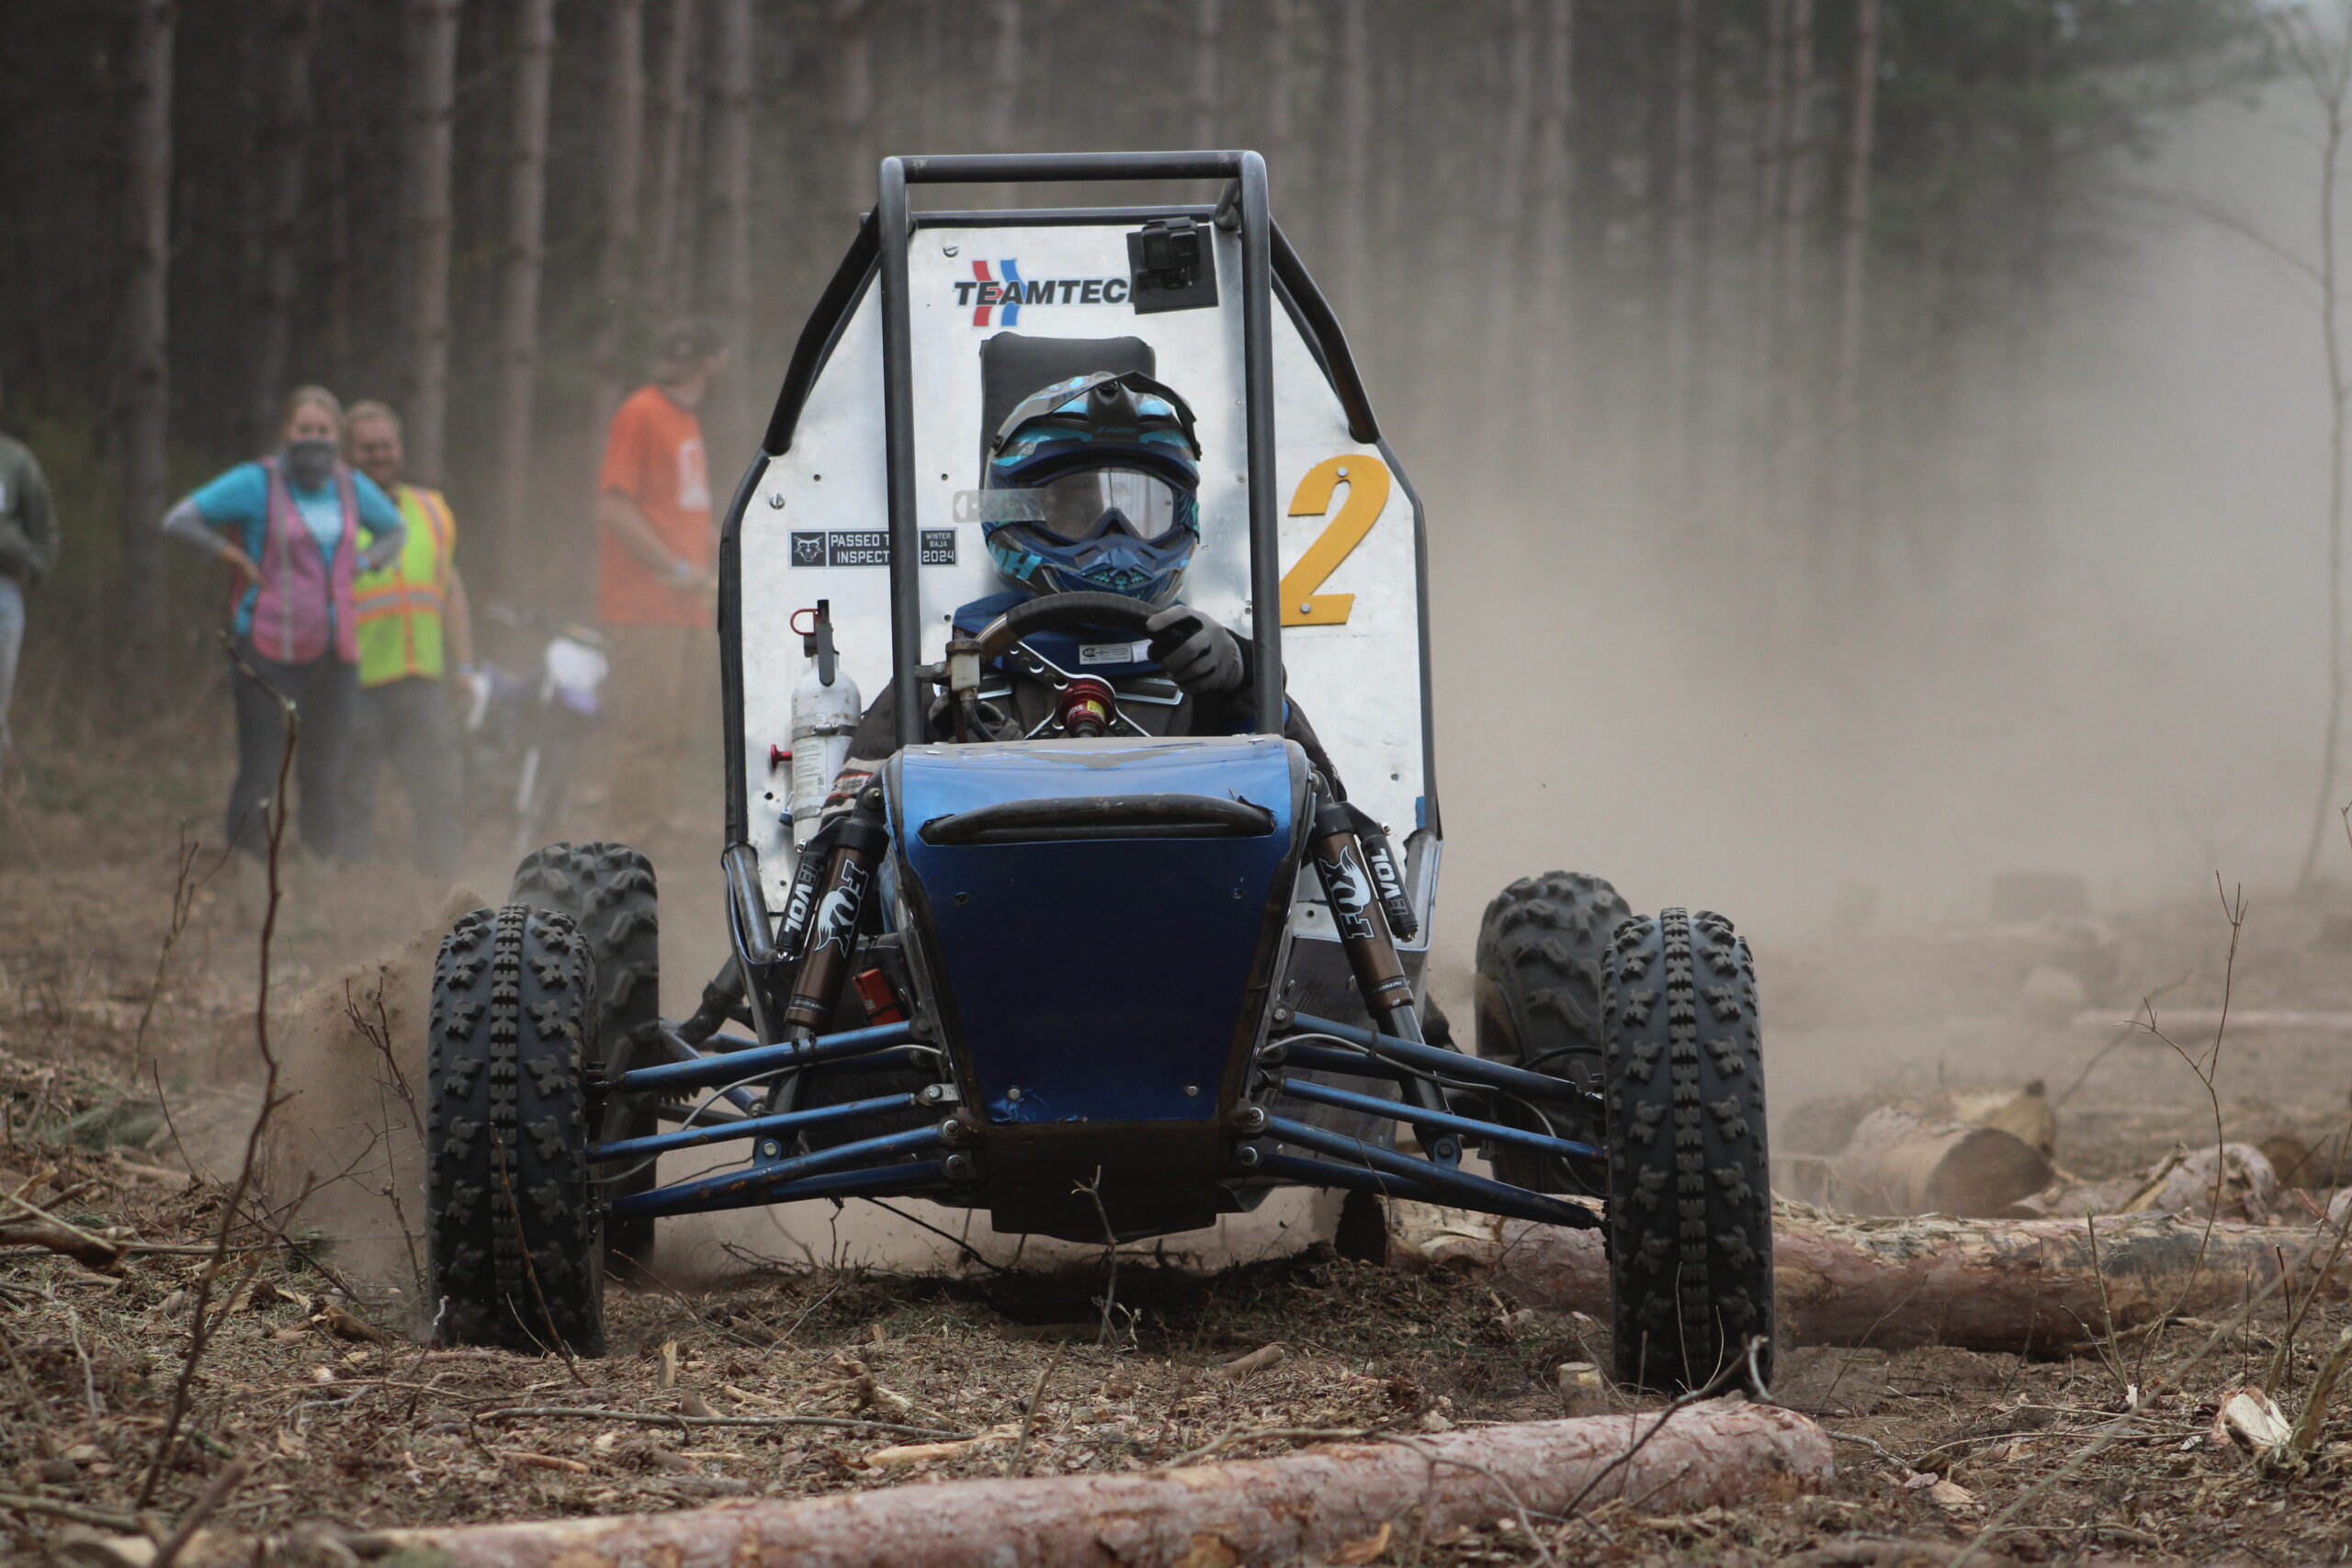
(1359, 682)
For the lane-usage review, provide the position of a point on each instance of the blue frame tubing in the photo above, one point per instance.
(777, 1182)
(751, 1127)
(1457, 1187)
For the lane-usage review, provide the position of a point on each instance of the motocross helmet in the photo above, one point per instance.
(1092, 484)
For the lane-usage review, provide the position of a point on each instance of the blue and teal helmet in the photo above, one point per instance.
(1097, 480)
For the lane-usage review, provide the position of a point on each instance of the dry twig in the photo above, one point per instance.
(201, 1322)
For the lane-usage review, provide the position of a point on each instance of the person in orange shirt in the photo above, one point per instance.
(655, 557)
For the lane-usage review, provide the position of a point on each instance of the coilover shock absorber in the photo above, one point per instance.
(858, 842)
(1355, 899)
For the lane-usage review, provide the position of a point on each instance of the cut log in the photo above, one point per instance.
(2184, 1182)
(1898, 1164)
(2027, 1113)
(1314, 1504)
(2233, 1181)
(2017, 1285)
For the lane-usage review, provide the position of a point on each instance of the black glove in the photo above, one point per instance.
(1198, 654)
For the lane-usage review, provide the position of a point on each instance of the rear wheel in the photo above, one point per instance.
(1540, 947)
(1690, 1186)
(608, 891)
(513, 1242)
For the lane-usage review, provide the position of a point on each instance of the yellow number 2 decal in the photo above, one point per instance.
(1367, 481)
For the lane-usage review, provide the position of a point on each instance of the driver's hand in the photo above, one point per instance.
(1198, 654)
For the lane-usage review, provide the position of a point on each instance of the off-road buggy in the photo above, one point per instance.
(1095, 978)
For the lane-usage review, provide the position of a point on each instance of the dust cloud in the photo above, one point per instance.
(2130, 690)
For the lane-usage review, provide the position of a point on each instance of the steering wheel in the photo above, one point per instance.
(1061, 612)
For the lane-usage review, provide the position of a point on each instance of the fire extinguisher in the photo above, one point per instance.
(825, 711)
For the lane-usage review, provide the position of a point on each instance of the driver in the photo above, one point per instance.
(1092, 485)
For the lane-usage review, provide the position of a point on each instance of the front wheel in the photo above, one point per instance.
(609, 892)
(1689, 1179)
(514, 1241)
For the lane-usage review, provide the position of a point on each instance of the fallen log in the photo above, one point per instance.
(2226, 1181)
(1316, 1504)
(1897, 1163)
(30, 1226)
(2018, 1285)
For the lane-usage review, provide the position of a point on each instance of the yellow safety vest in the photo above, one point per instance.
(400, 607)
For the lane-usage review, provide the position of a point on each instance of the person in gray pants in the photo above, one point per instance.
(27, 554)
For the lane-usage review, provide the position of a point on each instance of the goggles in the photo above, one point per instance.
(1077, 507)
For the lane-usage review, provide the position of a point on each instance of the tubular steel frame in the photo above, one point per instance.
(879, 255)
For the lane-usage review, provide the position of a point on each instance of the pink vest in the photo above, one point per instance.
(291, 611)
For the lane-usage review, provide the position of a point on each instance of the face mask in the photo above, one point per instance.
(310, 464)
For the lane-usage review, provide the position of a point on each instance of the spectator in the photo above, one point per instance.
(297, 527)
(413, 624)
(654, 564)
(27, 554)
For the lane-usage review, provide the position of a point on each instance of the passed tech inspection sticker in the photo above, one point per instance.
(867, 546)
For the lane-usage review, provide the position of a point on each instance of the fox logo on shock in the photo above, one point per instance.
(837, 916)
(1007, 290)
(1350, 892)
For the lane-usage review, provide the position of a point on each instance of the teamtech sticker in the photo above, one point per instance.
(1005, 290)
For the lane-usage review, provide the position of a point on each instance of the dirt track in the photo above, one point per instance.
(369, 1434)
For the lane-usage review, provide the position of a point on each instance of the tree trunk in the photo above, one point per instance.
(2019, 1285)
(1682, 255)
(1555, 190)
(1851, 551)
(1207, 23)
(1312, 1504)
(1771, 147)
(145, 371)
(1853, 233)
(1282, 54)
(624, 179)
(1004, 116)
(736, 73)
(432, 27)
(1502, 432)
(285, 145)
(1761, 394)
(668, 284)
(341, 336)
(853, 103)
(519, 359)
(1353, 233)
(1797, 185)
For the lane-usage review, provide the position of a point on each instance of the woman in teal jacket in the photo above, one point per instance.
(295, 528)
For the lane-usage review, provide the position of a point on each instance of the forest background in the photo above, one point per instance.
(1799, 387)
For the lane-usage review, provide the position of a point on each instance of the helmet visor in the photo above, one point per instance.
(1076, 507)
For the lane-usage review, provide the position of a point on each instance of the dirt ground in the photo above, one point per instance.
(128, 1071)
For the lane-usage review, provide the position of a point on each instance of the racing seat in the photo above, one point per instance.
(1013, 367)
